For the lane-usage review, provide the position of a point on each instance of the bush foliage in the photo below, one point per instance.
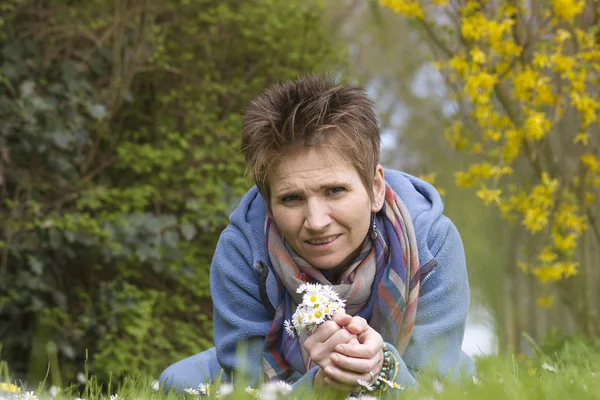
(119, 163)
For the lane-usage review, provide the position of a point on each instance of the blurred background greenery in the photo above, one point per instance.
(120, 162)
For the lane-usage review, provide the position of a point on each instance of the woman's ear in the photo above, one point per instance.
(378, 189)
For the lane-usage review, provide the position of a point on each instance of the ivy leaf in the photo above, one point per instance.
(188, 231)
(97, 111)
(61, 139)
(26, 88)
(36, 265)
(170, 238)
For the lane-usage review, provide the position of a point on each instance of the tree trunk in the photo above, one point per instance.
(577, 292)
(589, 311)
(511, 289)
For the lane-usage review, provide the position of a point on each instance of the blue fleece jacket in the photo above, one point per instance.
(240, 315)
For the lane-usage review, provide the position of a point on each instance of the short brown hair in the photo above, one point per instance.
(311, 110)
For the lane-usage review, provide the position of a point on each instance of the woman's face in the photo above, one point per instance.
(321, 206)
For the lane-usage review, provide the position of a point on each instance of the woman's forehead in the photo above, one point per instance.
(315, 168)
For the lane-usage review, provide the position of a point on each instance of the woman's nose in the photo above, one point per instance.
(317, 216)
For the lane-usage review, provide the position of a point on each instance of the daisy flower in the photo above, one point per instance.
(313, 300)
(289, 328)
(54, 390)
(549, 367)
(251, 391)
(80, 377)
(29, 396)
(192, 391)
(365, 385)
(307, 288)
(391, 384)
(225, 389)
(204, 389)
(9, 387)
(319, 304)
(283, 387)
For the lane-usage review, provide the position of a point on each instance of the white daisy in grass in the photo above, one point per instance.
(365, 385)
(283, 387)
(9, 387)
(549, 367)
(271, 389)
(251, 391)
(225, 389)
(81, 377)
(29, 396)
(204, 389)
(54, 390)
(192, 391)
(391, 384)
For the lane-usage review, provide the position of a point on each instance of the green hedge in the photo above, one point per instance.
(119, 164)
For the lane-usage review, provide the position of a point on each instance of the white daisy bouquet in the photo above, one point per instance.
(319, 304)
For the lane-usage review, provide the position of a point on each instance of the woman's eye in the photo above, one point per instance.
(337, 190)
(287, 199)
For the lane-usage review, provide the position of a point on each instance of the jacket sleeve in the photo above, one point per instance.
(241, 321)
(441, 313)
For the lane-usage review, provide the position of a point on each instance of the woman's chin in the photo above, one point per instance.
(326, 263)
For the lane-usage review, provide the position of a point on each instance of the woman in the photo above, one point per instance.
(323, 210)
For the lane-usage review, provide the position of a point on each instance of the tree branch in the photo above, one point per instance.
(436, 40)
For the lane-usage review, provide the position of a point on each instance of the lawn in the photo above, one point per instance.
(572, 374)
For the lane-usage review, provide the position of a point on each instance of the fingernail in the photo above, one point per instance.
(335, 358)
(329, 370)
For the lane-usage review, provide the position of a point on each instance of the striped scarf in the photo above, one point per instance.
(381, 285)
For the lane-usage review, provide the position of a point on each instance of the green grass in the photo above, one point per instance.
(574, 374)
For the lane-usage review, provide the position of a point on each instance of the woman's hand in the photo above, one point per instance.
(321, 343)
(346, 350)
(357, 359)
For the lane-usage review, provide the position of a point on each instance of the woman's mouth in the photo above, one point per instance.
(322, 241)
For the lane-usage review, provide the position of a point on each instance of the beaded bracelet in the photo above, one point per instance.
(389, 369)
(388, 374)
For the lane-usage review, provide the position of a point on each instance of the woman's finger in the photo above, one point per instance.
(339, 337)
(369, 344)
(342, 387)
(320, 351)
(345, 377)
(357, 365)
(358, 325)
(323, 332)
(341, 318)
